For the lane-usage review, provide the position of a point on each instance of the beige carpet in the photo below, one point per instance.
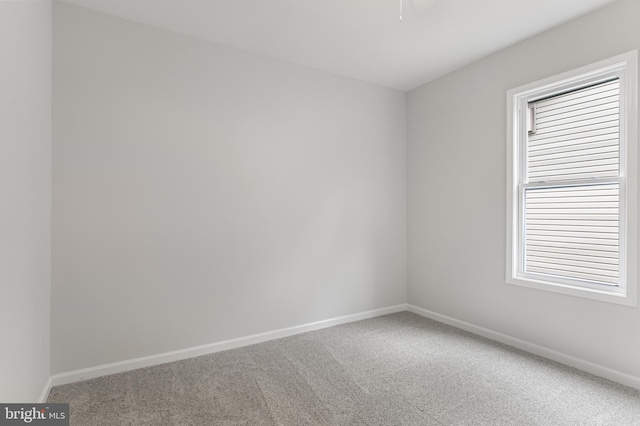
(399, 369)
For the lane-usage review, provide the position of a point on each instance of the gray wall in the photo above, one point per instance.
(456, 210)
(25, 188)
(201, 193)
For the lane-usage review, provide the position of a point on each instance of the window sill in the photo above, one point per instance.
(625, 299)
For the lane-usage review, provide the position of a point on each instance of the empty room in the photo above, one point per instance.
(319, 212)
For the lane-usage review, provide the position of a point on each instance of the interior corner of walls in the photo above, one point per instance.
(46, 390)
(25, 161)
(262, 148)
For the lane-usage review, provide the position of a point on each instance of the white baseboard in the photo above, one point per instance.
(45, 391)
(148, 361)
(580, 364)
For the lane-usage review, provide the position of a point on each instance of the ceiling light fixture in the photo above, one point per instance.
(420, 5)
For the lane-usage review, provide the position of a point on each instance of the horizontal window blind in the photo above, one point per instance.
(571, 230)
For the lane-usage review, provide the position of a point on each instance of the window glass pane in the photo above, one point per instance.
(576, 135)
(573, 232)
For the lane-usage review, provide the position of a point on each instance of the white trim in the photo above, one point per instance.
(128, 365)
(148, 361)
(45, 391)
(625, 67)
(571, 361)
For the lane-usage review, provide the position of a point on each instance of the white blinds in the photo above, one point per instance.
(571, 229)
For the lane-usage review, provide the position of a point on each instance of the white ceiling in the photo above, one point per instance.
(362, 39)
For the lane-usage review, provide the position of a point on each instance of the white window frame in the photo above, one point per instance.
(625, 67)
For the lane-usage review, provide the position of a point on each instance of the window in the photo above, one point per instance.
(572, 182)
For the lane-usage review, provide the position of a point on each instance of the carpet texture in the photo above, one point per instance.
(399, 369)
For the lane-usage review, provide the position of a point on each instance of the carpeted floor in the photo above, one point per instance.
(399, 369)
